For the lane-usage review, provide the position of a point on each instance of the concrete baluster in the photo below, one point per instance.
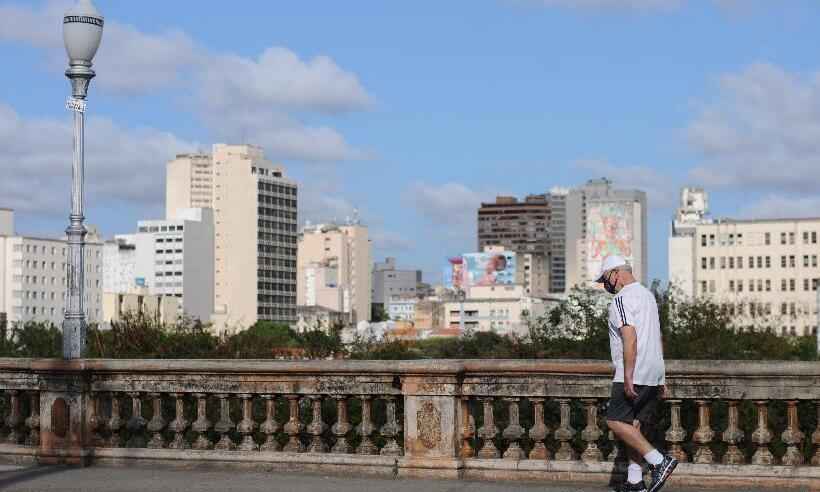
(704, 434)
(179, 424)
(467, 429)
(391, 428)
(762, 436)
(270, 426)
(202, 425)
(342, 427)
(488, 431)
(565, 433)
(366, 428)
(225, 425)
(294, 427)
(247, 425)
(115, 423)
(815, 437)
(792, 436)
(136, 423)
(676, 434)
(317, 427)
(733, 436)
(94, 420)
(513, 432)
(539, 431)
(157, 423)
(591, 433)
(33, 421)
(15, 419)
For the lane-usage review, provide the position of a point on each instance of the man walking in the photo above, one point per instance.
(640, 374)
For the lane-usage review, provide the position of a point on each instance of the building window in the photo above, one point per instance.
(792, 262)
(768, 285)
(703, 240)
(783, 285)
(740, 286)
(711, 263)
(759, 262)
(814, 237)
(759, 285)
(792, 284)
(783, 261)
(791, 238)
(751, 262)
(711, 239)
(722, 262)
(703, 287)
(767, 238)
(731, 262)
(805, 284)
(768, 262)
(731, 286)
(751, 285)
(805, 237)
(782, 238)
(740, 262)
(784, 309)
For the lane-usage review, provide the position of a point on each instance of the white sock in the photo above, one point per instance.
(653, 457)
(634, 473)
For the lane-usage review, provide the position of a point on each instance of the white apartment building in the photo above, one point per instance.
(255, 232)
(333, 269)
(766, 270)
(33, 275)
(402, 307)
(503, 309)
(602, 220)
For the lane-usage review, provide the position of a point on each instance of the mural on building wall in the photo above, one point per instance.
(454, 273)
(609, 232)
(481, 269)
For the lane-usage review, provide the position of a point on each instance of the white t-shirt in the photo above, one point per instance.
(635, 306)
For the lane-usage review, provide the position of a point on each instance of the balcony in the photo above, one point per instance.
(747, 424)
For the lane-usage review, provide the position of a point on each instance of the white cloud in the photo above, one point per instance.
(391, 242)
(762, 132)
(122, 164)
(662, 192)
(449, 204)
(237, 98)
(775, 206)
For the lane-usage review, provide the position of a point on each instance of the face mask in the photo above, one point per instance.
(610, 287)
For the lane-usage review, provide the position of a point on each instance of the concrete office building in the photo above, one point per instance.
(33, 275)
(333, 269)
(255, 231)
(533, 226)
(502, 309)
(602, 220)
(172, 257)
(766, 270)
(388, 281)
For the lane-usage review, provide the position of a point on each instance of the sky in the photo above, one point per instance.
(413, 113)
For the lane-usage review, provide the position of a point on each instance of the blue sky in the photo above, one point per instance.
(414, 112)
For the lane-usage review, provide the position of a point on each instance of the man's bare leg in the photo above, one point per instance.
(631, 436)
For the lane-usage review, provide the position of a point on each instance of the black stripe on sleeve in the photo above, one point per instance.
(620, 303)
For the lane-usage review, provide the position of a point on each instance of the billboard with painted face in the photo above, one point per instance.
(609, 232)
(454, 273)
(482, 269)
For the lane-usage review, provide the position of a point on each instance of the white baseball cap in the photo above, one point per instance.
(610, 262)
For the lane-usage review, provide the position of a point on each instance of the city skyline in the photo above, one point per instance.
(415, 131)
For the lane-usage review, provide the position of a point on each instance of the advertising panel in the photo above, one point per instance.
(609, 232)
(454, 273)
(481, 269)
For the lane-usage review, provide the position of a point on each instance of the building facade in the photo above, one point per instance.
(765, 270)
(504, 310)
(33, 275)
(255, 231)
(388, 281)
(602, 220)
(333, 268)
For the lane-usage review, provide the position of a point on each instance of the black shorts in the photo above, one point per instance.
(642, 408)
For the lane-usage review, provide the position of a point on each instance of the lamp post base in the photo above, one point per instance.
(74, 333)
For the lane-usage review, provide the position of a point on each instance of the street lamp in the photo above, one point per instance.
(82, 31)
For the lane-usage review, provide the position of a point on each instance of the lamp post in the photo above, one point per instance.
(82, 31)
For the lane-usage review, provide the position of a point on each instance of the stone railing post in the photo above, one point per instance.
(591, 433)
(157, 423)
(467, 429)
(224, 425)
(33, 421)
(366, 428)
(317, 427)
(342, 427)
(704, 434)
(539, 432)
(762, 436)
(815, 437)
(179, 424)
(488, 430)
(136, 423)
(391, 428)
(513, 432)
(64, 408)
(201, 425)
(14, 419)
(95, 421)
(247, 425)
(115, 423)
(270, 426)
(565, 433)
(676, 434)
(294, 426)
(792, 436)
(433, 424)
(733, 436)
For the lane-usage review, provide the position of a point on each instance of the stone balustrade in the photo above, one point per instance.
(728, 422)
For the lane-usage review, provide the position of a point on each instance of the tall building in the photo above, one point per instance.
(766, 270)
(389, 281)
(189, 183)
(531, 227)
(254, 208)
(33, 275)
(602, 220)
(333, 269)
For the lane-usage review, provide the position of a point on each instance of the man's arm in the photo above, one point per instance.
(630, 338)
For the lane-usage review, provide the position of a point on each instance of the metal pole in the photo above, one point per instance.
(461, 296)
(74, 323)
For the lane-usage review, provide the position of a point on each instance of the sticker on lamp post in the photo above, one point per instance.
(73, 104)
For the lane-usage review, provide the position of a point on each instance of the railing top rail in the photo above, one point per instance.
(674, 368)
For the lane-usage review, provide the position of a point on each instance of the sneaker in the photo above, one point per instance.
(631, 487)
(662, 472)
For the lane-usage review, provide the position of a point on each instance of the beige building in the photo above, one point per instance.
(333, 269)
(188, 183)
(503, 309)
(162, 308)
(255, 231)
(767, 270)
